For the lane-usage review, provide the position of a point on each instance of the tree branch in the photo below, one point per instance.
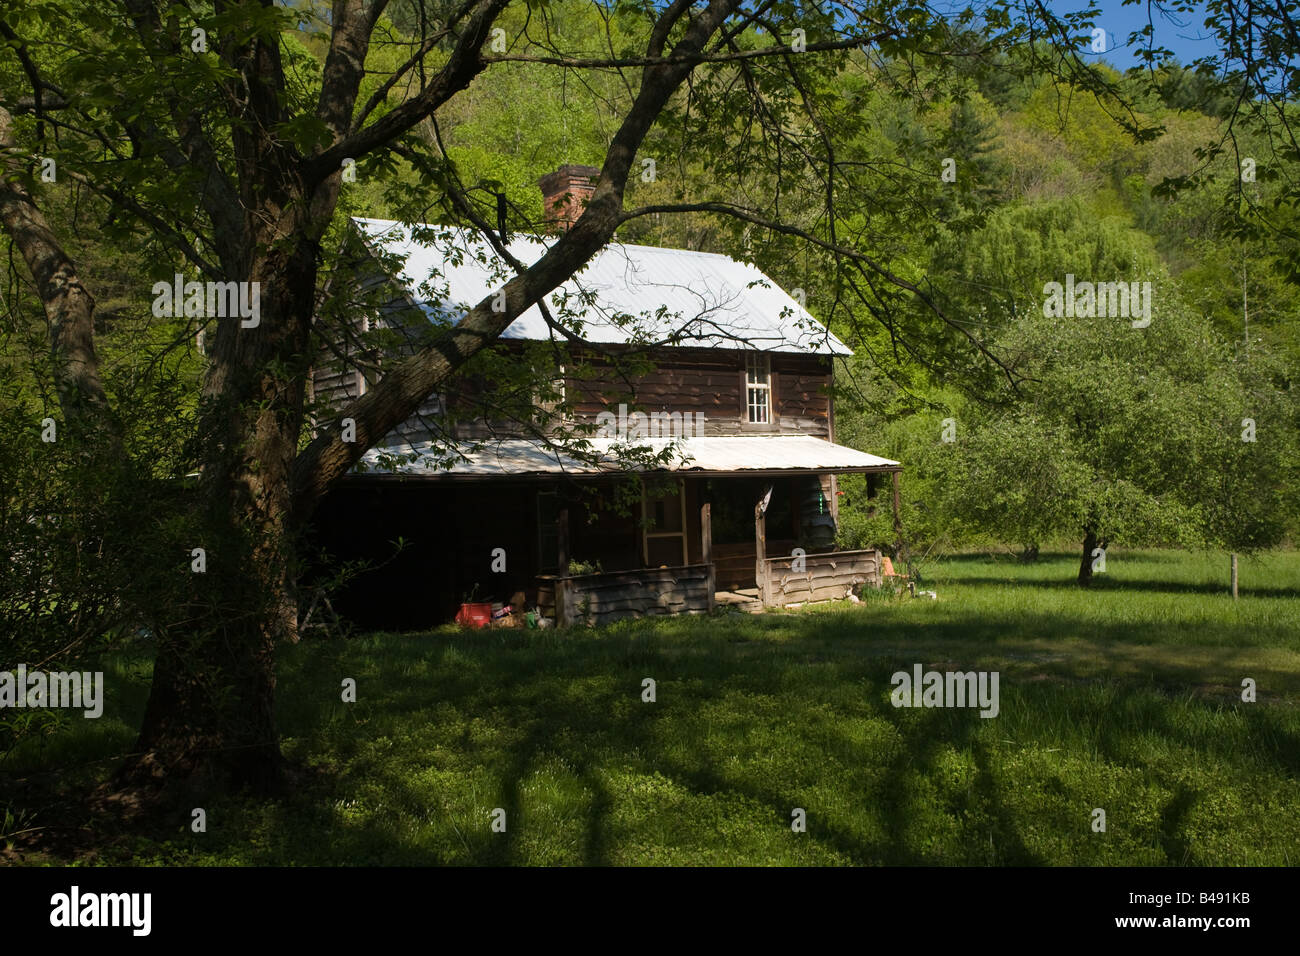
(399, 394)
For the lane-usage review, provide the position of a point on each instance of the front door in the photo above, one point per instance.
(663, 525)
(734, 545)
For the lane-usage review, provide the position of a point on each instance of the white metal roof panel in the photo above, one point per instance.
(626, 293)
(525, 457)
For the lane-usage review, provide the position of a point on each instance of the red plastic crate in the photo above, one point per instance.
(474, 615)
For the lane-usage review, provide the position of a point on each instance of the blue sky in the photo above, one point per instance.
(1186, 36)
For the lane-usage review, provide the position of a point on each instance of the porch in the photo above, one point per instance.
(697, 543)
(602, 597)
(747, 522)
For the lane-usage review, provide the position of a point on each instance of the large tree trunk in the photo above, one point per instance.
(210, 715)
(211, 709)
(1085, 565)
(69, 307)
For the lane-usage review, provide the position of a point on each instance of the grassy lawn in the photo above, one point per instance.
(1126, 698)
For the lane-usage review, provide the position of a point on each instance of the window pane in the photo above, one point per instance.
(757, 393)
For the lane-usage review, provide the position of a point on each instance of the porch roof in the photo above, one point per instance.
(528, 458)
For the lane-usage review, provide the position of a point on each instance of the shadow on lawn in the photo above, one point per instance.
(648, 732)
(935, 730)
(565, 696)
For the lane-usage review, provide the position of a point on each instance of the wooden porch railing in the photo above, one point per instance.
(827, 576)
(609, 596)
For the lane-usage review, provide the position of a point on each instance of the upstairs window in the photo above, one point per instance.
(758, 388)
(550, 400)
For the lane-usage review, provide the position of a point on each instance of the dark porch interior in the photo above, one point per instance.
(451, 531)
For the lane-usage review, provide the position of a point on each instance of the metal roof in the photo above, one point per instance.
(625, 293)
(522, 458)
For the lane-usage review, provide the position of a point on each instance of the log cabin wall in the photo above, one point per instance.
(802, 394)
(699, 382)
(711, 382)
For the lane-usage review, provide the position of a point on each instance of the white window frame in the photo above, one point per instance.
(560, 383)
(758, 378)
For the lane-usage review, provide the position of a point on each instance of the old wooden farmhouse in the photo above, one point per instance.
(680, 452)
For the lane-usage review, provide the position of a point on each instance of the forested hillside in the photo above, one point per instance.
(978, 190)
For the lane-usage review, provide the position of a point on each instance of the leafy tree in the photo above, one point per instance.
(1146, 435)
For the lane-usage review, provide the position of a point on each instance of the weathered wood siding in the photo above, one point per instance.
(711, 382)
(425, 425)
(708, 384)
(801, 397)
(826, 577)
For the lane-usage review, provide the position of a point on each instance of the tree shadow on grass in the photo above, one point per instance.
(525, 684)
(923, 737)
(1173, 822)
(923, 740)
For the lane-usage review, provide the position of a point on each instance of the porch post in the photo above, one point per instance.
(706, 547)
(760, 545)
(562, 538)
(562, 585)
(562, 616)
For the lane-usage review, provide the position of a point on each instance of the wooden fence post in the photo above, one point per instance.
(706, 548)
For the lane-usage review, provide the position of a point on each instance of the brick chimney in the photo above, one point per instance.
(565, 193)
